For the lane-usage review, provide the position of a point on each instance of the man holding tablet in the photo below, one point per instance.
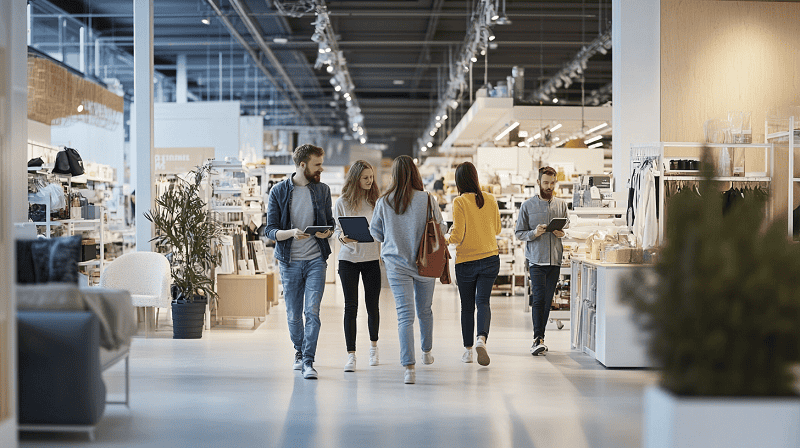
(540, 223)
(298, 205)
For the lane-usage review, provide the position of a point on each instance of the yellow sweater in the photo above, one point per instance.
(474, 229)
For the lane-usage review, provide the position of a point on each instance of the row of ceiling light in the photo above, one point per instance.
(593, 142)
(573, 69)
(479, 35)
(330, 57)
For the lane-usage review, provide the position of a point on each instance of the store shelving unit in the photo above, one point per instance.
(789, 135)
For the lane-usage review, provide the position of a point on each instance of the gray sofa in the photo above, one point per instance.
(67, 336)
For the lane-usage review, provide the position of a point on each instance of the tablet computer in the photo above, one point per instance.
(556, 224)
(356, 227)
(311, 230)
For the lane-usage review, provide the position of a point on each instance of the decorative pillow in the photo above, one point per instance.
(56, 259)
(25, 269)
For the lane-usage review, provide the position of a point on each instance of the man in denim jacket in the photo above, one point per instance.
(294, 204)
(543, 250)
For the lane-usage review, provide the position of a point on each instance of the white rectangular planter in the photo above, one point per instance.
(687, 422)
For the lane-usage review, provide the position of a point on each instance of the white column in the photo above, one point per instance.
(181, 83)
(636, 78)
(13, 190)
(143, 123)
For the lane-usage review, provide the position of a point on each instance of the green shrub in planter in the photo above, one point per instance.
(722, 311)
(188, 229)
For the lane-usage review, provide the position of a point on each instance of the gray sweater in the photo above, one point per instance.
(401, 234)
(547, 248)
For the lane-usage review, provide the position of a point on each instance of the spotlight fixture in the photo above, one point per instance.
(329, 69)
(80, 107)
(492, 37)
(280, 40)
(429, 145)
(337, 88)
(363, 140)
(555, 100)
(398, 82)
(438, 118)
(416, 160)
(474, 59)
(206, 21)
(438, 124)
(444, 117)
(423, 149)
(454, 104)
(432, 133)
(483, 52)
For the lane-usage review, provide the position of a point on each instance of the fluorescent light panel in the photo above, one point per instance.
(593, 139)
(555, 128)
(597, 128)
(508, 129)
(596, 145)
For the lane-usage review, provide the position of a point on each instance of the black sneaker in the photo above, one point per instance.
(538, 347)
(308, 371)
(298, 360)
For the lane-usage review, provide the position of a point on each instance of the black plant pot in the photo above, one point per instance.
(188, 318)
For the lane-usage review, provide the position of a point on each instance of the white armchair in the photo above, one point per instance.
(146, 275)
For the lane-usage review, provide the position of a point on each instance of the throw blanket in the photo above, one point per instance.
(112, 307)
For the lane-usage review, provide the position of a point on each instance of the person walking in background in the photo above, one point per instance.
(359, 194)
(543, 250)
(294, 204)
(399, 223)
(476, 223)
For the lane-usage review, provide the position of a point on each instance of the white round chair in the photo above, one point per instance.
(146, 275)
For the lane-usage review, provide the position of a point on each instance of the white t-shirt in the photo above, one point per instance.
(355, 252)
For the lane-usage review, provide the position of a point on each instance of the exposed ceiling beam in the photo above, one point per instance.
(256, 32)
(365, 13)
(433, 22)
(253, 54)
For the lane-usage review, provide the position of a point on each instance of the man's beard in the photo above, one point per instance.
(546, 195)
(312, 177)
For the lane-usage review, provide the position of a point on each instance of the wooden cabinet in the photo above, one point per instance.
(246, 296)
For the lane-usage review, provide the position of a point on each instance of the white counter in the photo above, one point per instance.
(603, 326)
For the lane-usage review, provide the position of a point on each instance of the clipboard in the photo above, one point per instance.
(556, 224)
(357, 228)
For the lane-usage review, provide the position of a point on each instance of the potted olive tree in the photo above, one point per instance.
(188, 230)
(722, 315)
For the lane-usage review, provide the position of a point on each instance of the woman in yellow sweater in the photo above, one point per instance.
(476, 223)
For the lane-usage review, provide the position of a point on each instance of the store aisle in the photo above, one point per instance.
(236, 387)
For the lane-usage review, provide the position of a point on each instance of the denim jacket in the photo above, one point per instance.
(279, 216)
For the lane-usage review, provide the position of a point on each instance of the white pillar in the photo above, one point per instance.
(636, 75)
(181, 83)
(143, 123)
(13, 193)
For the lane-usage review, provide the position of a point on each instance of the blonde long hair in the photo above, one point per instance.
(352, 193)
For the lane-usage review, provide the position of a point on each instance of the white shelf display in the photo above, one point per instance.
(786, 133)
(657, 151)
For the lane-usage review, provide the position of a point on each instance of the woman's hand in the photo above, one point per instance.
(558, 233)
(324, 234)
(347, 240)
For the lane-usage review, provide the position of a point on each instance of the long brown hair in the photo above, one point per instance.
(405, 179)
(352, 193)
(467, 181)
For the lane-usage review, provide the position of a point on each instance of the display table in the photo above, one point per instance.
(603, 326)
(246, 296)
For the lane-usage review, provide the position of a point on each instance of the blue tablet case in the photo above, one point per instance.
(356, 227)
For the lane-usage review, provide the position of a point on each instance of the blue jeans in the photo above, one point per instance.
(408, 290)
(475, 279)
(543, 287)
(304, 280)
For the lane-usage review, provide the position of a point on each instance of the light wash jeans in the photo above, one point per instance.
(304, 279)
(409, 290)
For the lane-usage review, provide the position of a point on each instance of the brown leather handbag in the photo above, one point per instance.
(433, 256)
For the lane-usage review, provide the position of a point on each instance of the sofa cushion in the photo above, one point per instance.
(25, 269)
(50, 296)
(56, 259)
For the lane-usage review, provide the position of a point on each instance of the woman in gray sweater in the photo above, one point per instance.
(399, 222)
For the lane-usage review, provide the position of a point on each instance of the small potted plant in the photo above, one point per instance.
(188, 230)
(722, 316)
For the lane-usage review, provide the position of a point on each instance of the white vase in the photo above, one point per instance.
(683, 422)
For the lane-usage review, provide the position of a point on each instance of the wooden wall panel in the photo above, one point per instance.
(718, 56)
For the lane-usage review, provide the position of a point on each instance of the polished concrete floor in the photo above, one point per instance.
(236, 388)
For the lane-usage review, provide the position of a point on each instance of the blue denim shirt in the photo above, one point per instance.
(279, 216)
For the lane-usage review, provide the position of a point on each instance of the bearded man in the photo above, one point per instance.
(294, 204)
(543, 251)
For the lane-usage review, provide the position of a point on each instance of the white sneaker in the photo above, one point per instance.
(427, 358)
(373, 356)
(467, 356)
(350, 366)
(483, 355)
(410, 376)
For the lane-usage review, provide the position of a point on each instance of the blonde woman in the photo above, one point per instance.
(399, 222)
(476, 223)
(359, 194)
